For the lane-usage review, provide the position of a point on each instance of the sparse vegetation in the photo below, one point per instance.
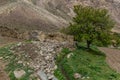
(91, 26)
(90, 64)
(12, 64)
(58, 72)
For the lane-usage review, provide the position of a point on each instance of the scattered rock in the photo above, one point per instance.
(77, 76)
(37, 35)
(55, 67)
(19, 44)
(1, 58)
(59, 37)
(69, 55)
(50, 77)
(20, 62)
(54, 78)
(19, 73)
(41, 53)
(83, 78)
(8, 32)
(42, 75)
(88, 77)
(47, 57)
(38, 79)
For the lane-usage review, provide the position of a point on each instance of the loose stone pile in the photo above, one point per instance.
(39, 55)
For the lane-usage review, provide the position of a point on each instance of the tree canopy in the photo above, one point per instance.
(91, 25)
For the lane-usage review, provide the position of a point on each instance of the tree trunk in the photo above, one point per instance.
(88, 44)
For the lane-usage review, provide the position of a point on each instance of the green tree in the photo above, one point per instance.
(91, 24)
(116, 40)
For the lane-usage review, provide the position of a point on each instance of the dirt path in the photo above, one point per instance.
(5, 41)
(113, 58)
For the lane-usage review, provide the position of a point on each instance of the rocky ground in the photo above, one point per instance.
(39, 55)
(39, 52)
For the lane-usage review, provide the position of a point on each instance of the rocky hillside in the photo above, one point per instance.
(49, 15)
(34, 60)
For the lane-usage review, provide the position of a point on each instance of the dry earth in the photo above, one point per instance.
(3, 75)
(5, 41)
(113, 57)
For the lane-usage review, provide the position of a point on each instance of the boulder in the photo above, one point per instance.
(42, 75)
(77, 76)
(1, 58)
(54, 78)
(60, 37)
(69, 55)
(19, 73)
(36, 35)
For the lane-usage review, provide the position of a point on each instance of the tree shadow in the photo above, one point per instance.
(94, 51)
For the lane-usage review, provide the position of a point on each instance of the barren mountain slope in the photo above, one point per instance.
(24, 15)
(2, 2)
(63, 8)
(49, 15)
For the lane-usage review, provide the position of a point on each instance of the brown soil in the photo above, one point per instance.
(5, 41)
(113, 57)
(3, 75)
